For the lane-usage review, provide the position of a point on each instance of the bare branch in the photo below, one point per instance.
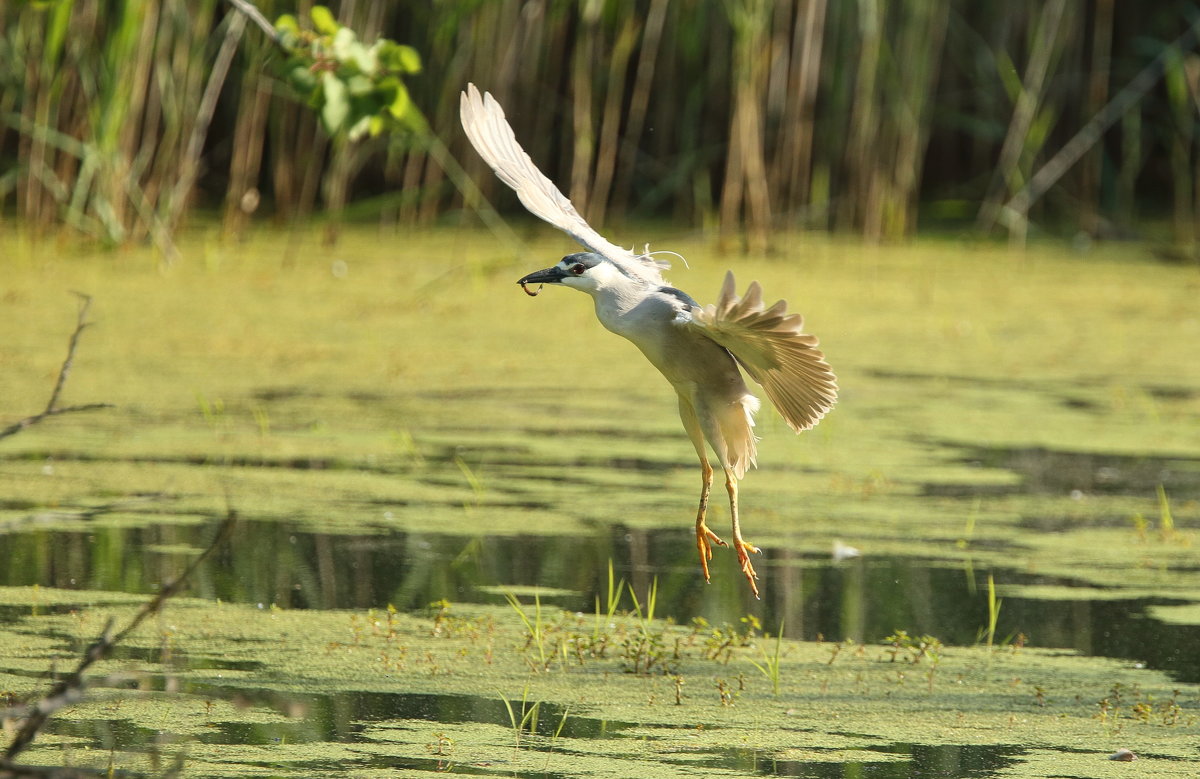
(70, 689)
(85, 303)
(52, 407)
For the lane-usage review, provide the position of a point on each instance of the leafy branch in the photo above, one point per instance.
(357, 89)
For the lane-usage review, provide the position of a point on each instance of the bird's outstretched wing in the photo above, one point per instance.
(770, 345)
(493, 137)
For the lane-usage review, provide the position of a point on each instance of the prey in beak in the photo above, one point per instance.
(553, 275)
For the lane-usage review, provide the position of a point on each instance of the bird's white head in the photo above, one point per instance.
(585, 271)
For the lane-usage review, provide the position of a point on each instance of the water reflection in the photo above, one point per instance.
(864, 598)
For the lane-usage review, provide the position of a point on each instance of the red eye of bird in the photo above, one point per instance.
(578, 268)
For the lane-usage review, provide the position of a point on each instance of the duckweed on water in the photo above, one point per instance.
(305, 670)
(1188, 614)
(1026, 416)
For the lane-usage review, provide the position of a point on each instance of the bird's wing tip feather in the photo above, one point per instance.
(490, 133)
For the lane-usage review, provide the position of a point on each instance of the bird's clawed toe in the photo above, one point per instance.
(705, 538)
(747, 567)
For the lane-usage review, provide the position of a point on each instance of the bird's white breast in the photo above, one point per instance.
(656, 324)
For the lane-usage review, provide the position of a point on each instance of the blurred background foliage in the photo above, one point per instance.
(122, 119)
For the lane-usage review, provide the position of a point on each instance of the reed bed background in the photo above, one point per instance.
(122, 119)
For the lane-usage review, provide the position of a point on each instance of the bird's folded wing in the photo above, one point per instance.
(493, 137)
(770, 345)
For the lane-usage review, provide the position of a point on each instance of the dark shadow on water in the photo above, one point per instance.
(361, 717)
(1045, 471)
(947, 761)
(1066, 392)
(347, 716)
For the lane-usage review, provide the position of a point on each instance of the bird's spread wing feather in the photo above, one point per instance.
(493, 137)
(770, 345)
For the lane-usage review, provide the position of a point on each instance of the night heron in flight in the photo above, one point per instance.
(697, 348)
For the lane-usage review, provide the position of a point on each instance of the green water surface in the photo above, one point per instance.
(395, 424)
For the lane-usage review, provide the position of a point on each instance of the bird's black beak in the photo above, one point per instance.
(553, 275)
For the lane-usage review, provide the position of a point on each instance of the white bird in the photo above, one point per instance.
(697, 348)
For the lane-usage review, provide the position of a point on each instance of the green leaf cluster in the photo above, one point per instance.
(357, 89)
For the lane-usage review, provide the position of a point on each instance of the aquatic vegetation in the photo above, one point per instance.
(536, 634)
(291, 661)
(769, 667)
(524, 720)
(993, 606)
(720, 642)
(378, 472)
(913, 649)
(644, 651)
(612, 600)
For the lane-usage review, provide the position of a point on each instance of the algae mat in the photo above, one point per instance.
(396, 424)
(229, 690)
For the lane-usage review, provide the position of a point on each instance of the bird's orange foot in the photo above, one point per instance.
(703, 538)
(747, 567)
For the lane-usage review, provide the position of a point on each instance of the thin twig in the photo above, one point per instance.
(52, 407)
(70, 689)
(85, 303)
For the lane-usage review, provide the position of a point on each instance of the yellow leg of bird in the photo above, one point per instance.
(705, 538)
(741, 546)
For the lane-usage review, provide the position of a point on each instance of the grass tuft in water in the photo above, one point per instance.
(769, 667)
(534, 627)
(993, 605)
(528, 719)
(1166, 521)
(611, 601)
